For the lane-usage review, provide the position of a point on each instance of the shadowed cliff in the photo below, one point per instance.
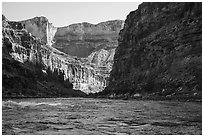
(159, 53)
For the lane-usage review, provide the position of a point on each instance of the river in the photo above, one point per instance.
(82, 116)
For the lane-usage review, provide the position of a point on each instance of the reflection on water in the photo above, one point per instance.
(100, 116)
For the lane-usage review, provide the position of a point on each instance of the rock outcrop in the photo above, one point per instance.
(82, 39)
(159, 52)
(41, 28)
(102, 57)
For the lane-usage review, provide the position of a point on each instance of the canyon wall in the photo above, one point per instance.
(41, 28)
(92, 45)
(82, 39)
(31, 41)
(102, 59)
(159, 52)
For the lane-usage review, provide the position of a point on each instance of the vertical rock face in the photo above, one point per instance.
(31, 41)
(41, 28)
(96, 43)
(95, 46)
(84, 38)
(160, 51)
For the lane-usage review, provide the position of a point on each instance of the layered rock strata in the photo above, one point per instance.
(82, 39)
(31, 40)
(159, 52)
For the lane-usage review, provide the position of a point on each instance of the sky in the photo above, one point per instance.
(66, 13)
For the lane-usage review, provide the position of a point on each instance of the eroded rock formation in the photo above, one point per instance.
(31, 41)
(159, 52)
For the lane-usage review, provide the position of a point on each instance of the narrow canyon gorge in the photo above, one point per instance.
(156, 52)
(141, 76)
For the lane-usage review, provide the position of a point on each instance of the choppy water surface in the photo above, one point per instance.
(100, 116)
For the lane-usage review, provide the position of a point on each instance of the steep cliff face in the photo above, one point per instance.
(84, 38)
(41, 28)
(159, 52)
(23, 66)
(29, 41)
